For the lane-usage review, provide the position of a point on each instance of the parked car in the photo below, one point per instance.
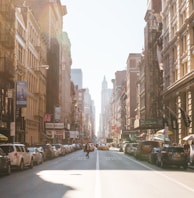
(41, 150)
(37, 156)
(5, 163)
(172, 156)
(18, 154)
(144, 149)
(122, 145)
(131, 148)
(49, 153)
(56, 151)
(153, 155)
(67, 148)
(60, 149)
(191, 153)
(124, 148)
(134, 149)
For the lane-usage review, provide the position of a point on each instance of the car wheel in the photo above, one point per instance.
(150, 159)
(8, 172)
(162, 165)
(38, 162)
(32, 163)
(157, 162)
(21, 166)
(185, 166)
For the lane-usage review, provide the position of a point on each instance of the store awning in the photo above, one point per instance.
(161, 138)
(162, 131)
(141, 135)
(3, 137)
(189, 137)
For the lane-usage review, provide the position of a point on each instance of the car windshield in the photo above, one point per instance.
(176, 149)
(1, 152)
(31, 149)
(7, 148)
(151, 143)
(40, 148)
(56, 146)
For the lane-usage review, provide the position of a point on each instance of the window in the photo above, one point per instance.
(183, 44)
(18, 149)
(132, 63)
(174, 54)
(184, 69)
(173, 10)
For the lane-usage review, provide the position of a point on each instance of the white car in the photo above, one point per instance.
(56, 151)
(37, 155)
(191, 154)
(18, 154)
(60, 149)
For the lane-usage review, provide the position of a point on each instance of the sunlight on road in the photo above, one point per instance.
(82, 182)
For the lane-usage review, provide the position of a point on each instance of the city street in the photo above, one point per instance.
(106, 174)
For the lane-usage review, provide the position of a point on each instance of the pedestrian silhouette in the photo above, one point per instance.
(87, 149)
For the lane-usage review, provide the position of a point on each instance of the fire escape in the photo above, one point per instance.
(154, 74)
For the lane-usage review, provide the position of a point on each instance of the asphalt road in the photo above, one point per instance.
(106, 174)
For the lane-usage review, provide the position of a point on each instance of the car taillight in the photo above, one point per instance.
(15, 154)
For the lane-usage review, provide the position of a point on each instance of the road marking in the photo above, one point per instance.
(112, 158)
(78, 158)
(98, 187)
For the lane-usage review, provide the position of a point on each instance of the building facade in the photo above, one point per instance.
(177, 53)
(65, 98)
(7, 66)
(77, 77)
(131, 89)
(119, 87)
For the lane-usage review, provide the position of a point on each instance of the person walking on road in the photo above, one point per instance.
(87, 148)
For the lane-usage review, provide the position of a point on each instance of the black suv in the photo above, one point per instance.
(144, 149)
(172, 156)
(5, 164)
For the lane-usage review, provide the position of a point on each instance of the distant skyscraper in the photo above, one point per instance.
(106, 94)
(76, 77)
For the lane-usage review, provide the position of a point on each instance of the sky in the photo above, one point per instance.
(102, 34)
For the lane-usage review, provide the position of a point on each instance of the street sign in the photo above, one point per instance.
(152, 123)
(12, 129)
(57, 125)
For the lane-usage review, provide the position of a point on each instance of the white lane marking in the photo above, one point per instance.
(98, 187)
(112, 158)
(161, 174)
